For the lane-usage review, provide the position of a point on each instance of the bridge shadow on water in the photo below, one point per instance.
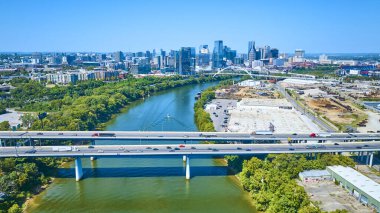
(145, 172)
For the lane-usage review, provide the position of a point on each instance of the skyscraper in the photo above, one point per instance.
(274, 53)
(217, 55)
(185, 61)
(118, 56)
(299, 53)
(251, 52)
(203, 56)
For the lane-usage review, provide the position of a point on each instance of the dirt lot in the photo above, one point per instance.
(330, 197)
(341, 113)
(247, 92)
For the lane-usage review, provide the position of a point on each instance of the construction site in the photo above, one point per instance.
(255, 106)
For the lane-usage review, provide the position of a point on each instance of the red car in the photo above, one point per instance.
(181, 146)
(313, 135)
(95, 135)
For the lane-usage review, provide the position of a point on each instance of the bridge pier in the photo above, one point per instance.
(78, 169)
(187, 168)
(367, 158)
(370, 164)
(93, 158)
(184, 158)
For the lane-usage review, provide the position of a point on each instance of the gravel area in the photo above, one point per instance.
(330, 197)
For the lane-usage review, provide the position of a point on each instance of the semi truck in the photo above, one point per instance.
(62, 148)
(103, 134)
(65, 149)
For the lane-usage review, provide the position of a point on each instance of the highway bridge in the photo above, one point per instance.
(337, 143)
(184, 136)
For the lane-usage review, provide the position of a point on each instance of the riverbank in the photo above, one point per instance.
(93, 111)
(128, 184)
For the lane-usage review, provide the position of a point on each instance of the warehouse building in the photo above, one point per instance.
(358, 185)
(314, 175)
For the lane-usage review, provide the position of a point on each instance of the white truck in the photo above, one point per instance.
(62, 149)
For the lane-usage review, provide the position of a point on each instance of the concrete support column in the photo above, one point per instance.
(367, 158)
(184, 158)
(371, 160)
(78, 169)
(187, 168)
(1, 143)
(93, 158)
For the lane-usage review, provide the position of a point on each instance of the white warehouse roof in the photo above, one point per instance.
(359, 180)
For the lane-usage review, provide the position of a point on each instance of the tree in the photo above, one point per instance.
(15, 209)
(28, 119)
(5, 125)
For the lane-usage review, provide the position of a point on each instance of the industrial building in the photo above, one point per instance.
(314, 175)
(358, 185)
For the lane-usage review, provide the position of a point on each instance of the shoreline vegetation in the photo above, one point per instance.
(271, 179)
(85, 106)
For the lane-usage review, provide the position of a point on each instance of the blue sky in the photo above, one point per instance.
(318, 26)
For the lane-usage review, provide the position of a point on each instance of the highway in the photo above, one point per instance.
(184, 149)
(182, 136)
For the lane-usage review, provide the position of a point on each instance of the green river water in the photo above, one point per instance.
(148, 184)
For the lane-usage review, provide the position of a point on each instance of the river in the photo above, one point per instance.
(148, 184)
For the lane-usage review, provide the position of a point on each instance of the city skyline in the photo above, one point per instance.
(99, 26)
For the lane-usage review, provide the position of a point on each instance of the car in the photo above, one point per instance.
(193, 147)
(216, 115)
(160, 136)
(238, 148)
(148, 147)
(155, 149)
(214, 150)
(209, 148)
(291, 149)
(336, 144)
(358, 147)
(181, 146)
(185, 136)
(91, 147)
(30, 151)
(171, 150)
(168, 147)
(366, 145)
(313, 135)
(126, 150)
(61, 133)
(310, 147)
(121, 148)
(100, 151)
(40, 133)
(248, 150)
(294, 134)
(176, 148)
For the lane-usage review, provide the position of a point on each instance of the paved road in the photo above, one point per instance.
(181, 136)
(194, 149)
(312, 117)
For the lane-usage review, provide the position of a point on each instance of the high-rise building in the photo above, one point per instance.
(229, 54)
(299, 53)
(203, 56)
(148, 55)
(274, 53)
(37, 58)
(251, 52)
(217, 55)
(118, 56)
(266, 53)
(185, 61)
(163, 57)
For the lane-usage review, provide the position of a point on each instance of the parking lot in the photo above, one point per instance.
(218, 110)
